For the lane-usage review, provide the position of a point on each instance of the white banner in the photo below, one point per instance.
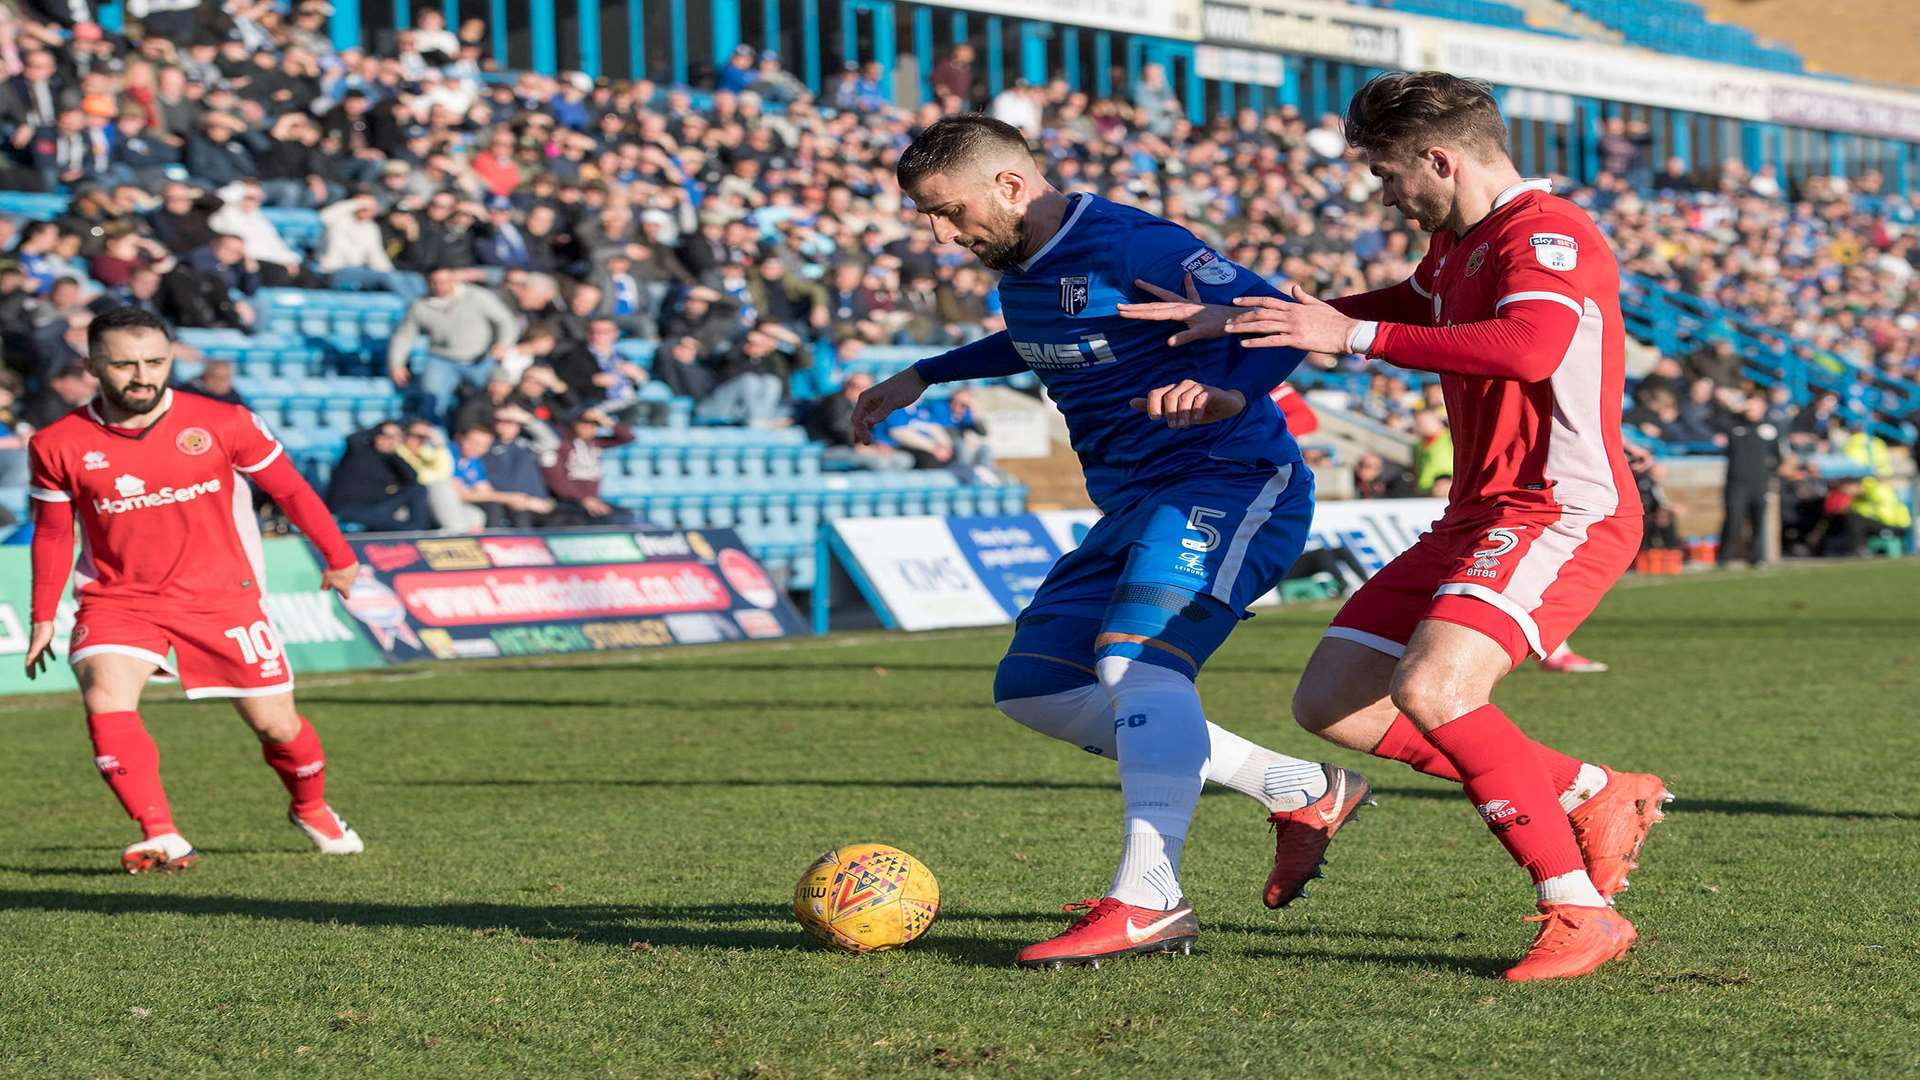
(916, 568)
(1597, 70)
(1293, 26)
(1240, 65)
(1160, 18)
(1522, 61)
(933, 573)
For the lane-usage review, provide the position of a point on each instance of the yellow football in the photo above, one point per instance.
(866, 897)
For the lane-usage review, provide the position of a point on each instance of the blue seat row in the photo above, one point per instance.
(706, 463)
(804, 510)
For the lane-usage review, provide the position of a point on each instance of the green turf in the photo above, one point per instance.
(583, 868)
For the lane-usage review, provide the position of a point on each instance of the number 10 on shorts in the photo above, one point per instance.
(258, 645)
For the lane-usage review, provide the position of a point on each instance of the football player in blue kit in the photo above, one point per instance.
(1198, 520)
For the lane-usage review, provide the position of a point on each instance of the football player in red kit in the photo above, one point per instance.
(1517, 307)
(170, 559)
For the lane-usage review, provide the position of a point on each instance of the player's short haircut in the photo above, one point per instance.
(119, 320)
(1404, 112)
(956, 142)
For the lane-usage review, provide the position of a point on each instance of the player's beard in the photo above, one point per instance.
(1009, 247)
(132, 406)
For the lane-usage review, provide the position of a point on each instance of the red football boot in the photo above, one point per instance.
(1110, 929)
(1573, 941)
(1300, 837)
(1611, 826)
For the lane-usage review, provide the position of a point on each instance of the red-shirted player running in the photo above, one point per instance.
(170, 559)
(1516, 305)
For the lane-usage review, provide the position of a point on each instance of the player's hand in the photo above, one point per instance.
(880, 400)
(400, 376)
(341, 580)
(1307, 324)
(40, 651)
(1188, 404)
(1204, 321)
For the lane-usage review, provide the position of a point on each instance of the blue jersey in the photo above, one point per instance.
(1061, 320)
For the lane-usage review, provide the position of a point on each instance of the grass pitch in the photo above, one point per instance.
(584, 869)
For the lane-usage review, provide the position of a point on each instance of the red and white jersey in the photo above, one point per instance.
(1530, 432)
(166, 514)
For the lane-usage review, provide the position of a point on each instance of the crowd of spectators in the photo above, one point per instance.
(750, 238)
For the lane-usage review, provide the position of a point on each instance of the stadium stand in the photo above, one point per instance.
(745, 239)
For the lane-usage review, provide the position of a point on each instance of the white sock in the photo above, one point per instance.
(1084, 717)
(1274, 780)
(1149, 871)
(1585, 786)
(1161, 736)
(1572, 888)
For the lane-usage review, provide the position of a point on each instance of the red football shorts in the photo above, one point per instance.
(227, 652)
(1524, 582)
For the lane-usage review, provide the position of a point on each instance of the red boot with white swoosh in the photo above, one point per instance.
(1108, 929)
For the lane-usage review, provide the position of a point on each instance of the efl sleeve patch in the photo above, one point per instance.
(1555, 251)
(1208, 267)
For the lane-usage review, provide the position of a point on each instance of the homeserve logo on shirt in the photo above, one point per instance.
(135, 496)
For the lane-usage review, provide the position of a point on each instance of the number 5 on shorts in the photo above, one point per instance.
(1197, 520)
(257, 642)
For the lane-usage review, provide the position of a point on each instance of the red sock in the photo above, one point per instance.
(1508, 784)
(301, 766)
(1406, 742)
(130, 764)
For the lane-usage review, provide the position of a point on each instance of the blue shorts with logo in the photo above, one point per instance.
(1228, 536)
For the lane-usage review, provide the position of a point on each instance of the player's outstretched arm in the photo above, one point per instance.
(304, 507)
(1204, 321)
(992, 357)
(1188, 404)
(1304, 323)
(883, 399)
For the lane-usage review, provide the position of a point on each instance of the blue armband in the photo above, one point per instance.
(992, 357)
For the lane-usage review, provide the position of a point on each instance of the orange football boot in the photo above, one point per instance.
(1611, 826)
(1573, 941)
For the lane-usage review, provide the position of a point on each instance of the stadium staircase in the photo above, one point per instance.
(1677, 323)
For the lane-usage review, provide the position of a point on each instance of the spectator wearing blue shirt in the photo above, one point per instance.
(470, 479)
(739, 73)
(513, 464)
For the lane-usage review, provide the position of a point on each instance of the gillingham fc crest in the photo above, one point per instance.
(193, 442)
(1073, 294)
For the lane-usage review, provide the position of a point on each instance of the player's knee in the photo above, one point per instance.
(96, 700)
(1429, 697)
